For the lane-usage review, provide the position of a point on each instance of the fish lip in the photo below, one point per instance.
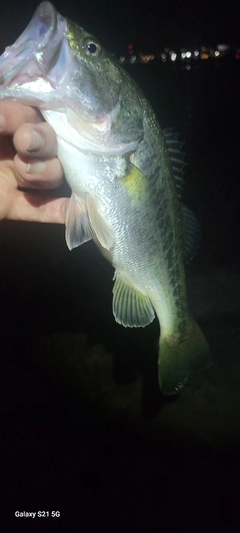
(42, 24)
(31, 47)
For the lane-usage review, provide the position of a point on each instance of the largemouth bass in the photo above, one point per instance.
(124, 193)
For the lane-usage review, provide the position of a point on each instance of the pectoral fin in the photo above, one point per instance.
(77, 223)
(131, 307)
(135, 182)
(102, 230)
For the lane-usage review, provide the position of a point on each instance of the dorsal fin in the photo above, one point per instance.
(191, 228)
(177, 157)
(191, 233)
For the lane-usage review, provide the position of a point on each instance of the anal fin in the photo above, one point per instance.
(131, 307)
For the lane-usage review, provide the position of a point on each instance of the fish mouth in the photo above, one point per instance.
(41, 69)
(32, 57)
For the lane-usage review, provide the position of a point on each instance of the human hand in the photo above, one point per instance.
(28, 159)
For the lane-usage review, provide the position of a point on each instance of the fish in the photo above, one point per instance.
(124, 172)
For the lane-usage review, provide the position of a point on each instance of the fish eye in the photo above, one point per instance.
(91, 47)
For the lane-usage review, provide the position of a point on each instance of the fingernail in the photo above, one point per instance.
(36, 167)
(36, 142)
(2, 120)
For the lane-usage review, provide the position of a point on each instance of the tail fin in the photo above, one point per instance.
(180, 357)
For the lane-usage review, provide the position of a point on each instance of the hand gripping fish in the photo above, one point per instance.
(118, 166)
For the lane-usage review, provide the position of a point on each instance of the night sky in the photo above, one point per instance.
(147, 24)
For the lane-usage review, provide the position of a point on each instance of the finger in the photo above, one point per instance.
(38, 208)
(38, 140)
(38, 174)
(12, 115)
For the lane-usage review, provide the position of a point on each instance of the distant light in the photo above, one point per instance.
(217, 53)
(122, 59)
(183, 55)
(164, 57)
(196, 53)
(133, 59)
(152, 56)
(173, 56)
(204, 55)
(144, 57)
(237, 56)
(188, 54)
(223, 47)
(188, 67)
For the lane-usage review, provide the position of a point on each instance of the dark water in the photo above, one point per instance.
(84, 429)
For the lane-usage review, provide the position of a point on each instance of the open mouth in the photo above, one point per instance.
(30, 56)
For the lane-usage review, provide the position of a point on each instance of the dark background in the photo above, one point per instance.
(84, 428)
(146, 24)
